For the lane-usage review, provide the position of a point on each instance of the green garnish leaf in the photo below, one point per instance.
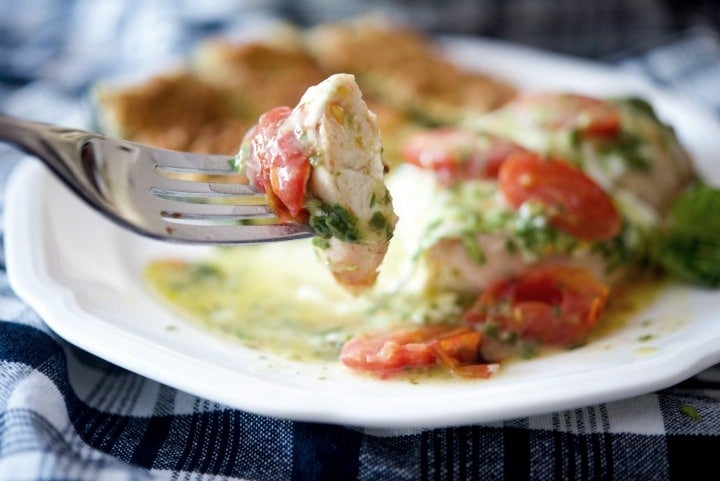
(689, 246)
(690, 412)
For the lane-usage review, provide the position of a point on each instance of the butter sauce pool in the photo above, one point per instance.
(278, 299)
(240, 293)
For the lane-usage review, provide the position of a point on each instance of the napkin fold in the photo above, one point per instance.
(68, 415)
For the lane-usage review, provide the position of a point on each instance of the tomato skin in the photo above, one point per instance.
(456, 154)
(593, 118)
(553, 305)
(576, 204)
(388, 352)
(290, 175)
(278, 166)
(384, 354)
(459, 352)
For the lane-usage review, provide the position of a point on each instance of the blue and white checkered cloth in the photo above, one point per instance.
(67, 415)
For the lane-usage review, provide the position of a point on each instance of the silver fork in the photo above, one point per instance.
(163, 194)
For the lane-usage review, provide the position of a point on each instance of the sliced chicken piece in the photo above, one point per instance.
(321, 163)
(583, 184)
(621, 144)
(500, 209)
(475, 238)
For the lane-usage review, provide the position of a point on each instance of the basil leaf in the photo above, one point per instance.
(689, 246)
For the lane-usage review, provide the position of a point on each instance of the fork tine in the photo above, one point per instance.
(226, 234)
(220, 219)
(202, 175)
(114, 177)
(196, 167)
(217, 213)
(190, 180)
(207, 197)
(193, 162)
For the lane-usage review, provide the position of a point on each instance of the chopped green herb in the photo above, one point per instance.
(527, 350)
(623, 249)
(333, 221)
(690, 412)
(491, 330)
(204, 270)
(434, 224)
(645, 337)
(377, 222)
(575, 138)
(321, 242)
(533, 235)
(639, 104)
(628, 147)
(473, 248)
(511, 246)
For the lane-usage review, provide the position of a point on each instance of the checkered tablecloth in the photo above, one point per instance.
(67, 415)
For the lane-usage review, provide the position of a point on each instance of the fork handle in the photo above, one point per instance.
(55, 146)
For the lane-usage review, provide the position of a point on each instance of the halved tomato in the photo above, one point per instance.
(552, 305)
(575, 203)
(457, 154)
(278, 166)
(455, 348)
(555, 111)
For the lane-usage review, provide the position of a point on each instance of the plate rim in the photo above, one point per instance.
(30, 281)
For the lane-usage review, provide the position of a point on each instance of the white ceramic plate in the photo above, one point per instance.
(82, 275)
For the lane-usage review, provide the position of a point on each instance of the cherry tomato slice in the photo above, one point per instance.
(554, 305)
(575, 203)
(455, 348)
(456, 154)
(388, 352)
(590, 116)
(458, 351)
(278, 166)
(290, 174)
